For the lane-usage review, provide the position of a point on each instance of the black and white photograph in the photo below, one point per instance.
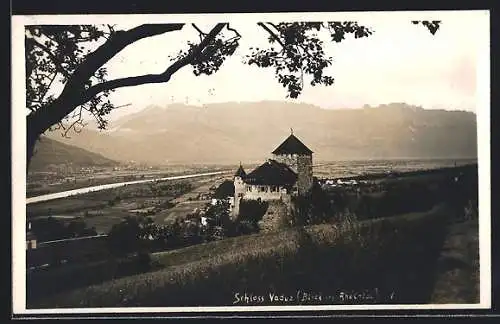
(251, 162)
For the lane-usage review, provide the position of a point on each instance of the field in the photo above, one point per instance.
(166, 200)
(40, 183)
(404, 244)
(349, 169)
(186, 203)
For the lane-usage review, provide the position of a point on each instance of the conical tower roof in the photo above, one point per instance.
(240, 172)
(292, 145)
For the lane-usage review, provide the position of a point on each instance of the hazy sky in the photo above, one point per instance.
(400, 62)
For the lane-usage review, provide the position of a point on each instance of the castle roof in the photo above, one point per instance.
(272, 173)
(240, 172)
(292, 145)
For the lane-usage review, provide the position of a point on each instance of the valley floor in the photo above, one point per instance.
(95, 208)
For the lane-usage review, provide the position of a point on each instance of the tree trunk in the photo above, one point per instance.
(31, 140)
(41, 120)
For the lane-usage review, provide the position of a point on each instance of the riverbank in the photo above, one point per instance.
(43, 183)
(83, 190)
(163, 200)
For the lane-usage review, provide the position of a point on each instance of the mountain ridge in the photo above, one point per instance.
(249, 131)
(52, 152)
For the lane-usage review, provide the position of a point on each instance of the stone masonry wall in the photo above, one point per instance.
(273, 218)
(305, 174)
(302, 165)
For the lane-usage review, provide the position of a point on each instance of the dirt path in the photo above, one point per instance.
(457, 278)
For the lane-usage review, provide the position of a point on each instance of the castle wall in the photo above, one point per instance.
(273, 219)
(305, 173)
(264, 192)
(302, 165)
(255, 192)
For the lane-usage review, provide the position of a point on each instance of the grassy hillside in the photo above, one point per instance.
(458, 276)
(51, 152)
(396, 255)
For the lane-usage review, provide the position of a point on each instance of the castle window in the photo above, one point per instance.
(262, 188)
(249, 188)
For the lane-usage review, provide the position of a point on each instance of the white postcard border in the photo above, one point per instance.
(19, 152)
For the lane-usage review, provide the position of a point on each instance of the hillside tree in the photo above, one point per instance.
(59, 55)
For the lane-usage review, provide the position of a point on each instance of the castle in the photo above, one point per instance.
(288, 173)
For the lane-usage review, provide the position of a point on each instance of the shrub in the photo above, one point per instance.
(252, 211)
(50, 229)
(245, 227)
(130, 235)
(143, 261)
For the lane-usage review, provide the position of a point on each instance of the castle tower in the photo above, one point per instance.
(298, 157)
(239, 189)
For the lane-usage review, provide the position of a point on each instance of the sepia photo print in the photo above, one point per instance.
(241, 162)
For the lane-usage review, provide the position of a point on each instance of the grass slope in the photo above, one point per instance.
(396, 255)
(458, 279)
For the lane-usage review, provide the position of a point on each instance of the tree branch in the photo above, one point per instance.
(199, 31)
(233, 30)
(237, 35)
(153, 78)
(96, 117)
(50, 114)
(273, 34)
(42, 96)
(301, 78)
(109, 49)
(274, 26)
(56, 62)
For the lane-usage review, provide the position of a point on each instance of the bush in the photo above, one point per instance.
(51, 229)
(143, 261)
(412, 193)
(252, 211)
(124, 237)
(245, 227)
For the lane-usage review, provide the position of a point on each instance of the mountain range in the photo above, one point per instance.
(248, 131)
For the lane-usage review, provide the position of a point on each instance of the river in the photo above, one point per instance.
(68, 193)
